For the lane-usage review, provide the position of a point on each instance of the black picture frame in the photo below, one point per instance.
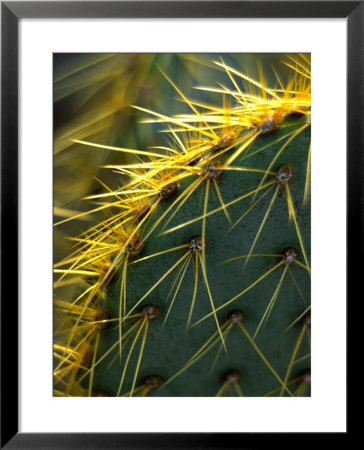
(11, 13)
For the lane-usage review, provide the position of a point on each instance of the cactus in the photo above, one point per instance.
(196, 281)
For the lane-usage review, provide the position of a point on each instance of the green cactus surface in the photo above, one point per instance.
(202, 287)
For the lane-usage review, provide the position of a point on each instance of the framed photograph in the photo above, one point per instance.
(174, 204)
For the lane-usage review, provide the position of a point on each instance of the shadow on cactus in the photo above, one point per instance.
(192, 275)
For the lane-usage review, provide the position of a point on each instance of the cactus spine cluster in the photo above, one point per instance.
(197, 280)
